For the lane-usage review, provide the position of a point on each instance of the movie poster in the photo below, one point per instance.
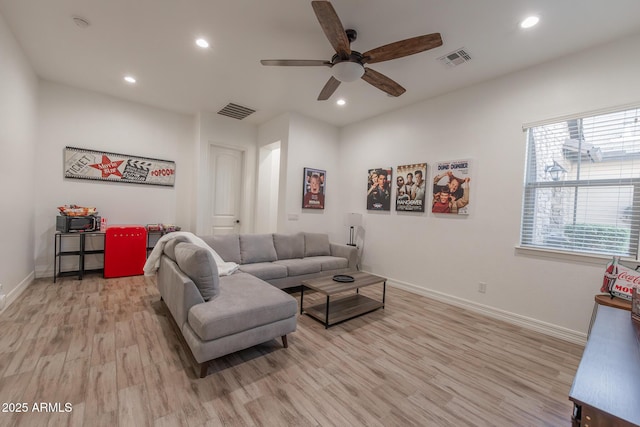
(313, 188)
(410, 187)
(451, 187)
(379, 189)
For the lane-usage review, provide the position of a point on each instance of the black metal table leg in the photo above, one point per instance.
(301, 297)
(56, 258)
(384, 291)
(81, 260)
(326, 321)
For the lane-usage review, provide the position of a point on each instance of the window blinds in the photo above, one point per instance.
(582, 184)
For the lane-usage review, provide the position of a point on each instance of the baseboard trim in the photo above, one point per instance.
(18, 290)
(44, 271)
(506, 316)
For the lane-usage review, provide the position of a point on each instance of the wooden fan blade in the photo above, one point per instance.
(328, 89)
(382, 82)
(402, 48)
(332, 27)
(296, 62)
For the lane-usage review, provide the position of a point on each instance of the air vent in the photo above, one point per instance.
(236, 111)
(455, 58)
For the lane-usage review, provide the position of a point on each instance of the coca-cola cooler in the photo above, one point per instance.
(125, 250)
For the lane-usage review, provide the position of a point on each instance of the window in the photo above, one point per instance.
(582, 185)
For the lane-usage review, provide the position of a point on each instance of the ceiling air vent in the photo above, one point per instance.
(455, 58)
(236, 111)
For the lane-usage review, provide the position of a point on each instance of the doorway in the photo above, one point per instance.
(226, 166)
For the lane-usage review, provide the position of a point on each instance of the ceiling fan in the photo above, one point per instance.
(348, 65)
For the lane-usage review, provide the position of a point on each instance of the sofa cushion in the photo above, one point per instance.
(199, 265)
(226, 245)
(316, 244)
(265, 270)
(289, 246)
(257, 248)
(327, 263)
(298, 267)
(245, 302)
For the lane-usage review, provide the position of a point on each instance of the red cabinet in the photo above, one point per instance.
(125, 250)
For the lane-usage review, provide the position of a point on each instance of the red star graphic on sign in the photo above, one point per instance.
(107, 167)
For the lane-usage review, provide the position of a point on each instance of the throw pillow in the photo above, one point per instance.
(170, 246)
(199, 265)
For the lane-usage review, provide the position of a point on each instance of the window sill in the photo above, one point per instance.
(558, 255)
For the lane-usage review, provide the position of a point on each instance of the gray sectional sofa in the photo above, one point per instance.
(284, 260)
(218, 315)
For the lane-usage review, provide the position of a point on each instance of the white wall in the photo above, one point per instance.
(447, 256)
(268, 188)
(276, 131)
(79, 118)
(316, 145)
(18, 124)
(305, 142)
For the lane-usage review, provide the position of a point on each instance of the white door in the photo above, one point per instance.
(226, 171)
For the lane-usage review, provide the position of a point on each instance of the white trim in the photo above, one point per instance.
(606, 110)
(43, 271)
(506, 316)
(18, 290)
(558, 255)
(584, 258)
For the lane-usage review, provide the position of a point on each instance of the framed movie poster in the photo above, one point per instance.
(379, 189)
(410, 187)
(313, 188)
(451, 187)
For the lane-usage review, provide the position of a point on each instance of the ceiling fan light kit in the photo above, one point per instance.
(347, 71)
(347, 65)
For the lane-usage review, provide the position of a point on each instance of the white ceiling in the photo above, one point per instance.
(154, 40)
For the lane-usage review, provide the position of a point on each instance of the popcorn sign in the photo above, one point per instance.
(82, 163)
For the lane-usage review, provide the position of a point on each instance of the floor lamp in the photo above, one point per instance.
(353, 220)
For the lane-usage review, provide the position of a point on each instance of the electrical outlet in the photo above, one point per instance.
(482, 287)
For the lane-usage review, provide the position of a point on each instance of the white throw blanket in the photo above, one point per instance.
(153, 262)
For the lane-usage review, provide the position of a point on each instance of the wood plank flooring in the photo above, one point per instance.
(107, 348)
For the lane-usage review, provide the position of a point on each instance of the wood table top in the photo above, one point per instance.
(328, 286)
(606, 299)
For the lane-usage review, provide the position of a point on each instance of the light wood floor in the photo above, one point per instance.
(107, 347)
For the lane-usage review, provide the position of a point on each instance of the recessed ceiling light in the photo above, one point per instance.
(529, 22)
(341, 101)
(202, 43)
(129, 79)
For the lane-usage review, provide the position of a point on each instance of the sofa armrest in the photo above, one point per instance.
(177, 290)
(345, 251)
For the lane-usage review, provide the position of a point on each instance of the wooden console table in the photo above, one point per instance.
(606, 388)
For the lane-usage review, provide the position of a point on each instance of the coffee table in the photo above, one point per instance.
(337, 310)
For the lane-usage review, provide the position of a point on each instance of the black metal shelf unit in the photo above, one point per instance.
(80, 253)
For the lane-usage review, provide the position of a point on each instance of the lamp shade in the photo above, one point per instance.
(347, 71)
(353, 220)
